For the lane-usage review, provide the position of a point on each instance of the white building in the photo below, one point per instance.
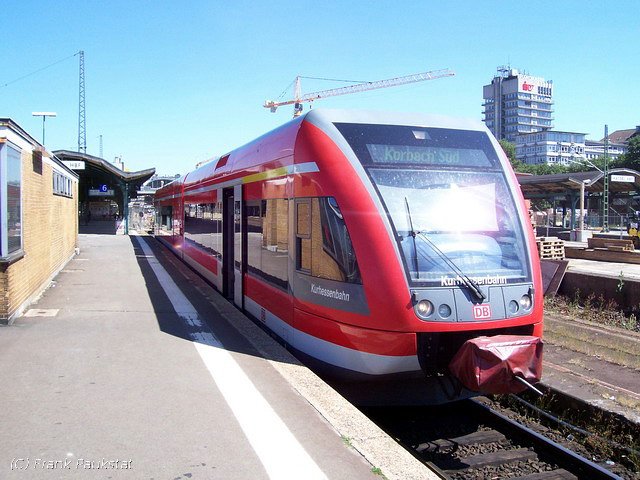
(595, 150)
(551, 147)
(516, 103)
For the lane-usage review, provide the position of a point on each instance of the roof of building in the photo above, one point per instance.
(564, 183)
(105, 165)
(623, 136)
(7, 122)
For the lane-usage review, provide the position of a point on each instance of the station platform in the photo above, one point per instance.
(581, 370)
(131, 366)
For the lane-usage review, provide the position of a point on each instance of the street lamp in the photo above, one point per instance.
(44, 115)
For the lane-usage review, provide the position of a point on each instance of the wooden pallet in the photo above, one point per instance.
(604, 255)
(550, 248)
(611, 244)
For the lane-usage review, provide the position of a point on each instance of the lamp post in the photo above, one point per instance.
(44, 115)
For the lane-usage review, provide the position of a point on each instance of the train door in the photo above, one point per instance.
(238, 247)
(228, 280)
(232, 263)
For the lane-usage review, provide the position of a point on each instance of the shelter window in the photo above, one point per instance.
(61, 185)
(10, 201)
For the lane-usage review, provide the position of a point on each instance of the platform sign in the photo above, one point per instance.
(98, 192)
(623, 178)
(74, 165)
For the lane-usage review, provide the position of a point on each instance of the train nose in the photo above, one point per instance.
(498, 364)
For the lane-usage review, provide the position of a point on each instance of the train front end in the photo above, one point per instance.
(453, 210)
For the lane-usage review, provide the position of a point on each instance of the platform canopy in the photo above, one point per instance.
(101, 180)
(621, 180)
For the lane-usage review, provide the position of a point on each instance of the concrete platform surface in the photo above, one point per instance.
(130, 366)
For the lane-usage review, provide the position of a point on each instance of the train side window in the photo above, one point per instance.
(166, 219)
(254, 235)
(323, 245)
(268, 240)
(303, 235)
(201, 228)
(336, 242)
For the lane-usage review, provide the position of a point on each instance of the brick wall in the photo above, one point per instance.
(49, 236)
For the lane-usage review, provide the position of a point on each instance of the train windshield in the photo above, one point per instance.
(448, 201)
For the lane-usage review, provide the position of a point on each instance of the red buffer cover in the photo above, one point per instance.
(490, 364)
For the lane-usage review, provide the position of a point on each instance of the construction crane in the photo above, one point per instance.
(360, 87)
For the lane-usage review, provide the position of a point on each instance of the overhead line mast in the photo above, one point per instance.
(360, 87)
(82, 126)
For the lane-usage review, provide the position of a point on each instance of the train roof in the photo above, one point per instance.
(318, 116)
(281, 140)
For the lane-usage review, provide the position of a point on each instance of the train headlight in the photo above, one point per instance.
(444, 310)
(424, 308)
(513, 307)
(526, 302)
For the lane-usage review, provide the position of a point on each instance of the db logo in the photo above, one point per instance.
(482, 312)
(527, 87)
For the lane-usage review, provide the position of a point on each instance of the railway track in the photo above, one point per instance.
(470, 440)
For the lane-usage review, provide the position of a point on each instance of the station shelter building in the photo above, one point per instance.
(38, 218)
(105, 191)
(563, 191)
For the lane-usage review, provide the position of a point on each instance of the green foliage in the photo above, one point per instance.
(632, 158)
(585, 167)
(541, 169)
(509, 150)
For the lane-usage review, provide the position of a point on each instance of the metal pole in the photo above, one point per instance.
(125, 209)
(581, 223)
(605, 199)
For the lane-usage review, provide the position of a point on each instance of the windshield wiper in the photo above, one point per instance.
(413, 234)
(471, 284)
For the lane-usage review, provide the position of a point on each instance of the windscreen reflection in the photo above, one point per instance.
(469, 216)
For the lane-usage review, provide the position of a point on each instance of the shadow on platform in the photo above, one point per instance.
(99, 227)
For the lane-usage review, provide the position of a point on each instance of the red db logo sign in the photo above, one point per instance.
(482, 312)
(527, 87)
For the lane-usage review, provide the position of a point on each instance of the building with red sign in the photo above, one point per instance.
(516, 103)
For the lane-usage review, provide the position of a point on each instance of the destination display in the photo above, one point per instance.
(408, 154)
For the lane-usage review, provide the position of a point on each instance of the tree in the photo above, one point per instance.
(588, 165)
(509, 150)
(631, 159)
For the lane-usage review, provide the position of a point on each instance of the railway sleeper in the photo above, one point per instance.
(496, 458)
(558, 474)
(450, 444)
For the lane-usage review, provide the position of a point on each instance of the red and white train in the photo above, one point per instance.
(375, 245)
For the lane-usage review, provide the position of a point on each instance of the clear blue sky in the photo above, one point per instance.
(169, 84)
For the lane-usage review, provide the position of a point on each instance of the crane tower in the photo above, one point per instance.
(360, 87)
